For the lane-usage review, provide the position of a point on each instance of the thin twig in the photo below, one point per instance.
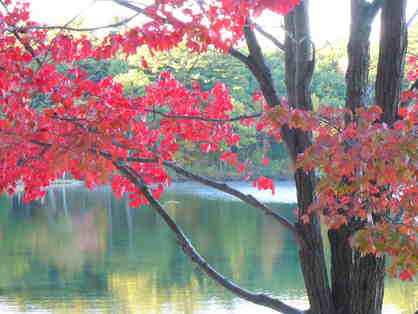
(270, 37)
(202, 118)
(74, 29)
(411, 19)
(24, 44)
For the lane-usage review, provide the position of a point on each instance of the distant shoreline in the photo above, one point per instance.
(69, 182)
(19, 186)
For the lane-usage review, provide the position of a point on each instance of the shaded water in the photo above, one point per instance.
(82, 251)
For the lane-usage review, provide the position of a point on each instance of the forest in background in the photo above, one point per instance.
(207, 69)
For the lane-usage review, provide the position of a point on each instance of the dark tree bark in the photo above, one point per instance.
(392, 50)
(299, 69)
(300, 61)
(358, 281)
(358, 50)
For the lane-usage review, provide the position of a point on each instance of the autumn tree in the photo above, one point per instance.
(356, 167)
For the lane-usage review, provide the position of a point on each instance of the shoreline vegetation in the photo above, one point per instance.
(223, 177)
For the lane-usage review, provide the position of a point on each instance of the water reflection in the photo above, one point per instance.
(80, 251)
(285, 193)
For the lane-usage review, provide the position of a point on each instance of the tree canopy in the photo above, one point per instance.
(56, 117)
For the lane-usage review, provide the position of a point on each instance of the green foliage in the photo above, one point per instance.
(103, 68)
(137, 71)
(413, 40)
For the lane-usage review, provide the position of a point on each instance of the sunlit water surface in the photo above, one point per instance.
(80, 251)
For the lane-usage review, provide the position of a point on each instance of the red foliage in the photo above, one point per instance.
(82, 126)
(264, 183)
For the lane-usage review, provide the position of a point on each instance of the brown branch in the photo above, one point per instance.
(202, 118)
(270, 37)
(249, 199)
(129, 5)
(257, 65)
(22, 162)
(193, 254)
(240, 56)
(109, 156)
(372, 9)
(105, 155)
(253, 45)
(77, 122)
(25, 45)
(223, 187)
(75, 29)
(39, 143)
(411, 19)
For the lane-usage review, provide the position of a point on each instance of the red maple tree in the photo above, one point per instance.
(367, 163)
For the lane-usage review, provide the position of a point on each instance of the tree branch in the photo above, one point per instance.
(22, 42)
(253, 46)
(372, 9)
(202, 118)
(257, 65)
(411, 19)
(270, 37)
(22, 162)
(249, 199)
(75, 29)
(240, 56)
(193, 254)
(109, 156)
(129, 5)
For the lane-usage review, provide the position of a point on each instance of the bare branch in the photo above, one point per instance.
(193, 254)
(80, 13)
(372, 9)
(411, 19)
(23, 43)
(129, 5)
(75, 29)
(270, 37)
(240, 56)
(257, 65)
(109, 156)
(253, 45)
(22, 162)
(202, 118)
(77, 122)
(249, 199)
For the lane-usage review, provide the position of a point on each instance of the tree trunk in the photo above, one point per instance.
(358, 50)
(358, 281)
(392, 50)
(299, 70)
(300, 62)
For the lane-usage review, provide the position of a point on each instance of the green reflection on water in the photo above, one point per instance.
(83, 251)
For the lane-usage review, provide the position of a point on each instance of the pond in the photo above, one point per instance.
(80, 251)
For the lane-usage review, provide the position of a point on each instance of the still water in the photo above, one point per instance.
(81, 251)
